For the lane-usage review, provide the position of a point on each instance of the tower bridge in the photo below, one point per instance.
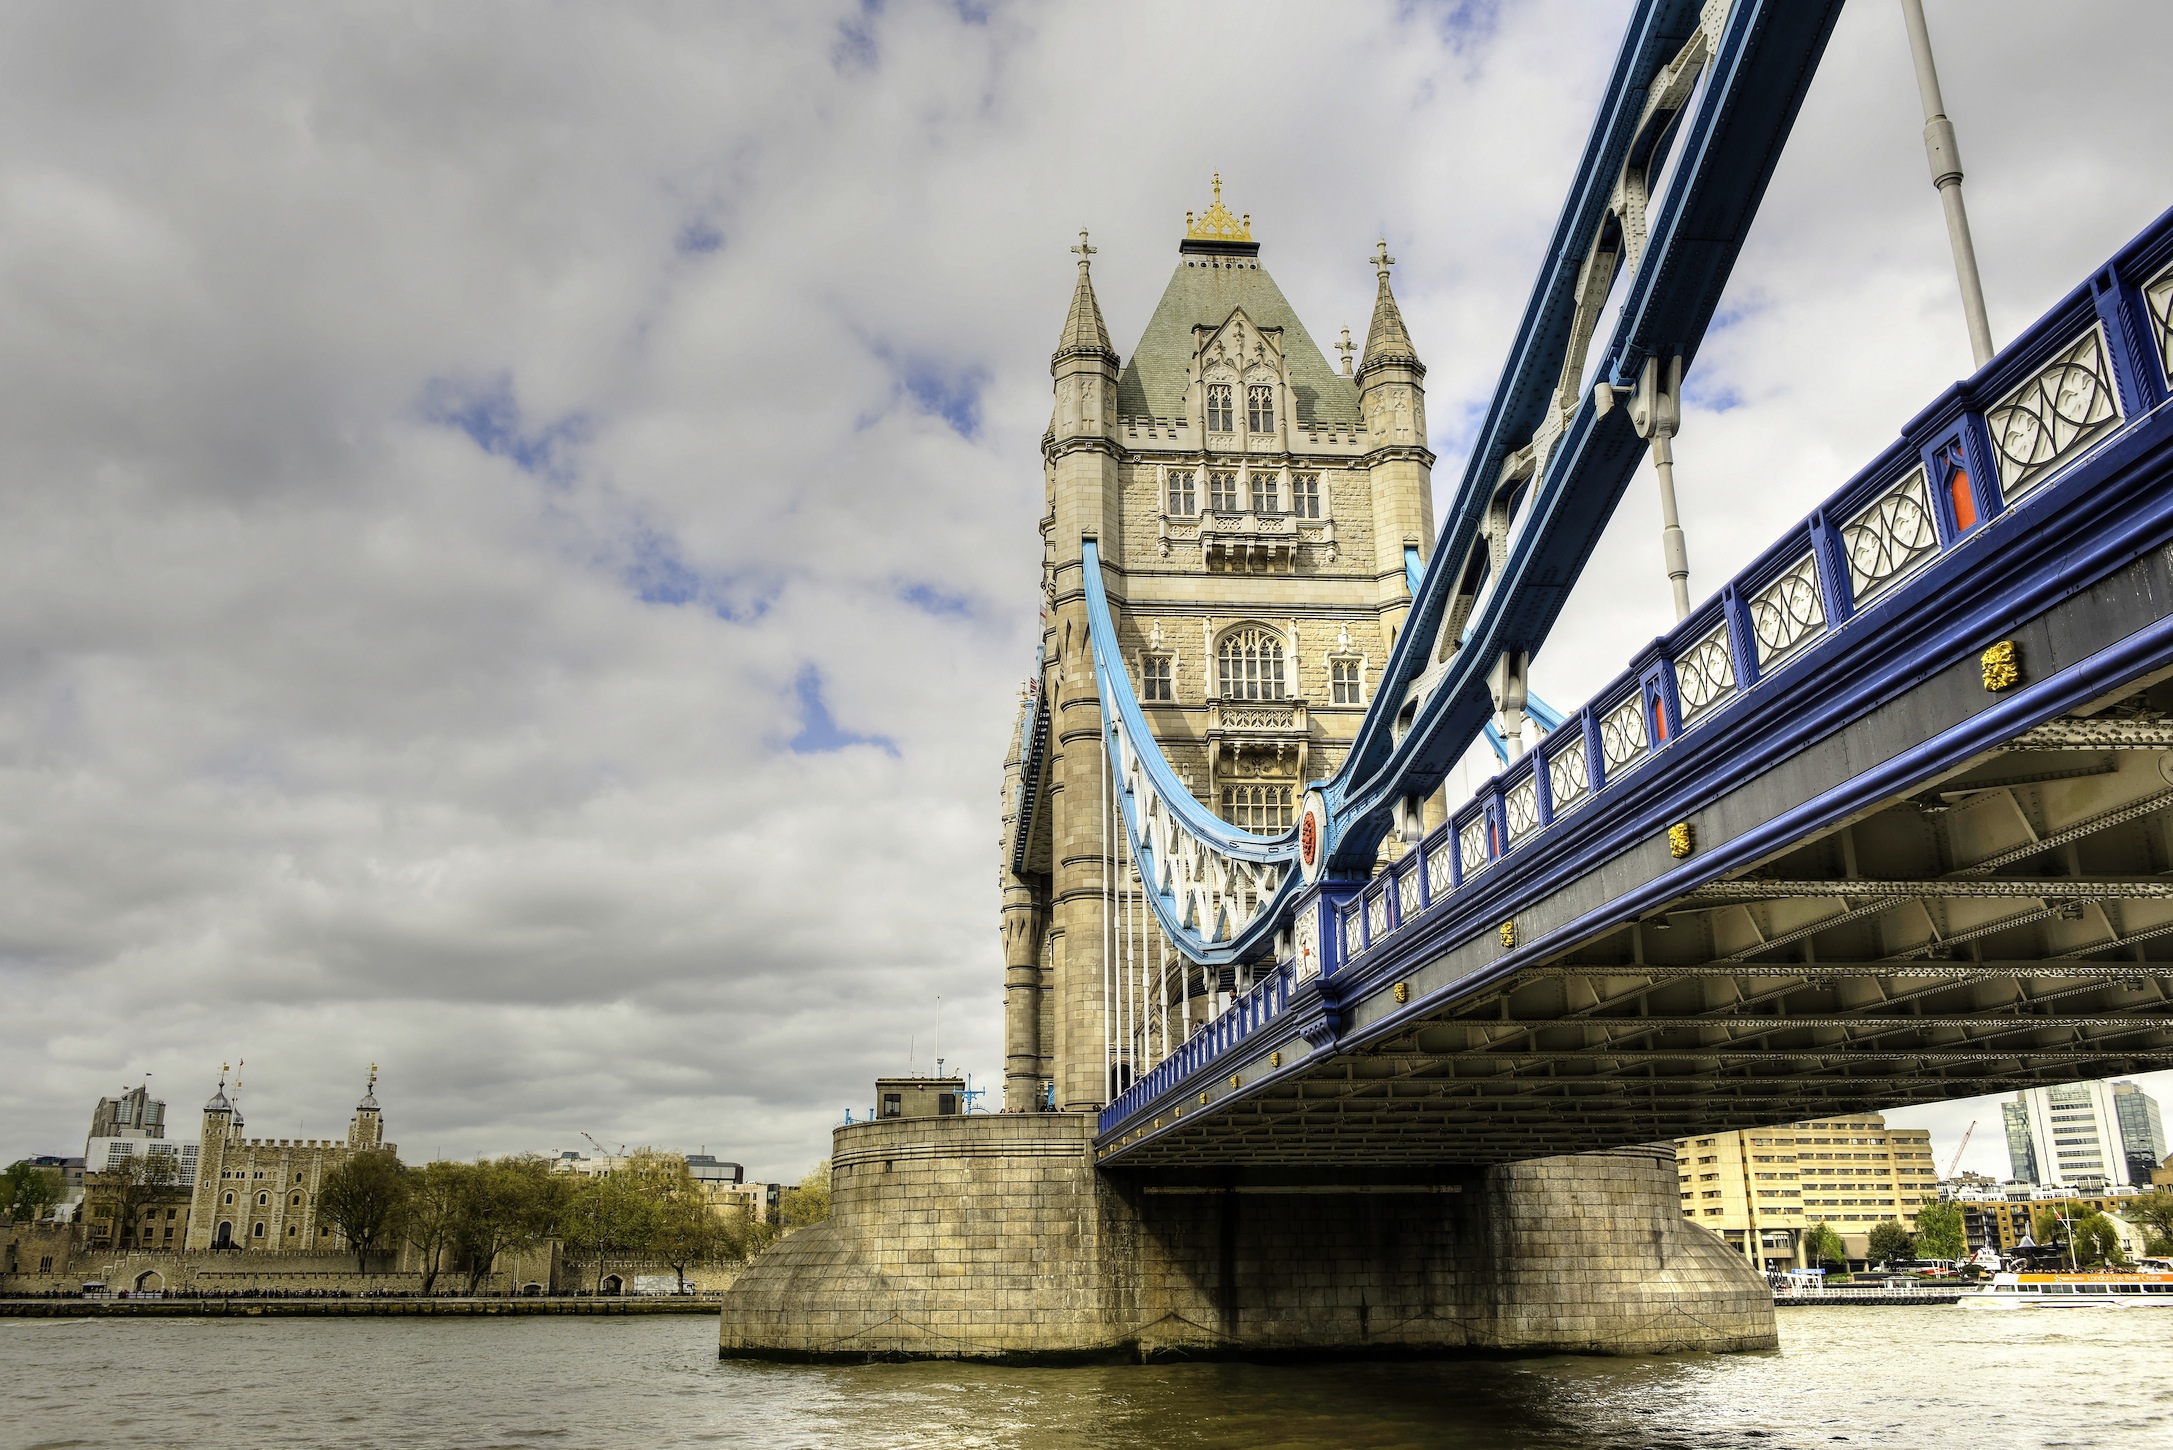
(1303, 1052)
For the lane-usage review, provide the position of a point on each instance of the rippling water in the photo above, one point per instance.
(1915, 1377)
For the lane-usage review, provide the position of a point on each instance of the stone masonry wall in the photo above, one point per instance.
(994, 1236)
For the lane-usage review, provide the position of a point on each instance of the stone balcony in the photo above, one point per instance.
(1256, 737)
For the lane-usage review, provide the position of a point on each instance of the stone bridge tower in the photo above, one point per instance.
(1253, 505)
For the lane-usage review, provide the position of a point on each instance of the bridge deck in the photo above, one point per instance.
(1876, 867)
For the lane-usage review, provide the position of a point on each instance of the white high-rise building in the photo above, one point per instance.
(2074, 1135)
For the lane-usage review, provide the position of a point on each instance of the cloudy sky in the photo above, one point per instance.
(518, 548)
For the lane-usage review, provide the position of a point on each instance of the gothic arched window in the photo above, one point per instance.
(1250, 665)
(1260, 408)
(1221, 413)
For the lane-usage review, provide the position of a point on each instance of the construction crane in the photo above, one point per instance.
(607, 1153)
(1956, 1161)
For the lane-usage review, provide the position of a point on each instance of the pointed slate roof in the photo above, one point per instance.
(1386, 340)
(1084, 333)
(1214, 279)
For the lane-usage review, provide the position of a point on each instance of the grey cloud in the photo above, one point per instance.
(341, 721)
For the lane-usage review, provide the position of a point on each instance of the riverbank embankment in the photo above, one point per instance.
(387, 1308)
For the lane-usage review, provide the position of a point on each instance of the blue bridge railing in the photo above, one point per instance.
(1992, 460)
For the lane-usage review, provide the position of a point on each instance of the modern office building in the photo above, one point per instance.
(2021, 1152)
(2084, 1136)
(2142, 1131)
(134, 1114)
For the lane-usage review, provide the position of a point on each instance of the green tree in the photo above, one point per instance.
(2153, 1214)
(30, 1191)
(1939, 1232)
(505, 1204)
(116, 1199)
(2097, 1242)
(363, 1198)
(809, 1201)
(609, 1216)
(685, 1228)
(1891, 1241)
(1823, 1248)
(431, 1222)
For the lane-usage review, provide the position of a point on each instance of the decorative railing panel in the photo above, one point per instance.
(1521, 804)
(1407, 893)
(1704, 675)
(1471, 844)
(1786, 613)
(1440, 877)
(1623, 739)
(2158, 296)
(1890, 538)
(1569, 778)
(2068, 406)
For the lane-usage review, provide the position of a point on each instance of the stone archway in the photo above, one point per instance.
(150, 1281)
(612, 1284)
(531, 1290)
(225, 1239)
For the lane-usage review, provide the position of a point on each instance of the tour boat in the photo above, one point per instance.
(2073, 1291)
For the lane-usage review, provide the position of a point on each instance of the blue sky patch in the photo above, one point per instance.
(819, 733)
(491, 416)
(1713, 397)
(931, 600)
(955, 396)
(855, 48)
(697, 237)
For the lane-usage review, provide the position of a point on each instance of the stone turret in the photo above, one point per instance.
(367, 1128)
(1085, 501)
(221, 1132)
(1392, 394)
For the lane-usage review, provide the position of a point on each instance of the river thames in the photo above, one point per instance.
(1915, 1377)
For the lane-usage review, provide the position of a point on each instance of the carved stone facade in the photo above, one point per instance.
(1252, 506)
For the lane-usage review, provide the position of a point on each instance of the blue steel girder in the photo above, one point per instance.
(2026, 513)
(1719, 83)
(1761, 68)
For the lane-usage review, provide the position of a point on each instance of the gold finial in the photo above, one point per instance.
(1381, 260)
(1083, 251)
(1216, 224)
(1346, 347)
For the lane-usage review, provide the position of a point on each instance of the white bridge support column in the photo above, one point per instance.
(1656, 411)
(1945, 156)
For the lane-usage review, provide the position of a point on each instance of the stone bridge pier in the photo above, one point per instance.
(995, 1237)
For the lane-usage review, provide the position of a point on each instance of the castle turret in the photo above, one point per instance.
(1392, 394)
(367, 1128)
(1085, 501)
(222, 1128)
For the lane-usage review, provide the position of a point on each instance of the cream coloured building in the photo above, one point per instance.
(1252, 504)
(261, 1193)
(1759, 1188)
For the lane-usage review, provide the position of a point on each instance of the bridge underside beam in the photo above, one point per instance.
(2005, 924)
